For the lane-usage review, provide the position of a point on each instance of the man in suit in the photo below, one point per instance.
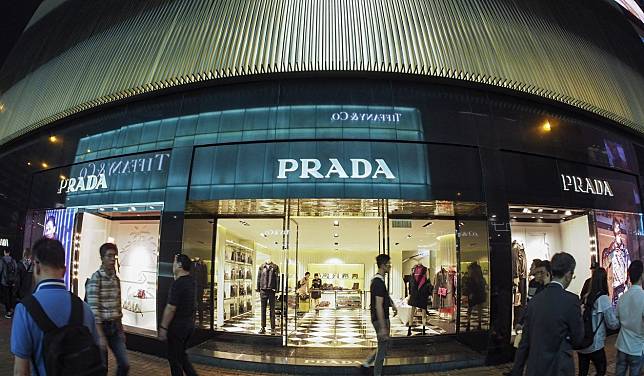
(553, 325)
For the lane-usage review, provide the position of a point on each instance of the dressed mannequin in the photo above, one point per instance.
(419, 291)
(267, 282)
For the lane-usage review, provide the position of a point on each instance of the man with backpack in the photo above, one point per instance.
(8, 282)
(53, 331)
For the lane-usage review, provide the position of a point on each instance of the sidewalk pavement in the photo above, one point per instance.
(144, 364)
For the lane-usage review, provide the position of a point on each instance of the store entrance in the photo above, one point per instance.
(299, 270)
(538, 232)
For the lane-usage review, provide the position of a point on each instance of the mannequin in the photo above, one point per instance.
(267, 282)
(419, 291)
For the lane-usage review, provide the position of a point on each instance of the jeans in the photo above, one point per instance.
(8, 298)
(599, 361)
(378, 356)
(178, 335)
(115, 338)
(625, 361)
(267, 296)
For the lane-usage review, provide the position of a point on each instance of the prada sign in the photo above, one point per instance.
(586, 185)
(356, 168)
(95, 176)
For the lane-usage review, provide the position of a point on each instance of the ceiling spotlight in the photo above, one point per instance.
(89, 150)
(335, 235)
(567, 212)
(62, 177)
(546, 126)
(514, 217)
(555, 211)
(493, 215)
(526, 211)
(28, 163)
(540, 210)
(336, 223)
(540, 217)
(44, 165)
(101, 209)
(53, 139)
(533, 217)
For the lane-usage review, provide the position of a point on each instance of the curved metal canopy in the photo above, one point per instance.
(85, 54)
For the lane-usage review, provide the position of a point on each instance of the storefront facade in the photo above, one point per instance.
(313, 137)
(322, 184)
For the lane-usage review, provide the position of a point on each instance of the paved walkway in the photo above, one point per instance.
(143, 364)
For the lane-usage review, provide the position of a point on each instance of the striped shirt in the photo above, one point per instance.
(104, 296)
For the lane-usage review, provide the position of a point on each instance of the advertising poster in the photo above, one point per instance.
(59, 224)
(619, 242)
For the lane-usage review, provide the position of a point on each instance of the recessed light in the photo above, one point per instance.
(62, 177)
(526, 211)
(44, 165)
(335, 235)
(514, 217)
(101, 209)
(540, 217)
(336, 223)
(28, 163)
(132, 208)
(540, 210)
(555, 211)
(493, 215)
(53, 138)
(567, 212)
(151, 207)
(89, 150)
(533, 217)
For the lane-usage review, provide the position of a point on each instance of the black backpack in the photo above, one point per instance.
(10, 276)
(589, 331)
(70, 349)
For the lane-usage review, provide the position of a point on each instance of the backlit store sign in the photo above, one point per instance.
(312, 168)
(367, 116)
(586, 185)
(95, 176)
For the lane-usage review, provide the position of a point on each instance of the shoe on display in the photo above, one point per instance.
(8, 315)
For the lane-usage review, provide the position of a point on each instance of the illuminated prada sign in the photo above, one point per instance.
(83, 183)
(95, 176)
(586, 185)
(358, 168)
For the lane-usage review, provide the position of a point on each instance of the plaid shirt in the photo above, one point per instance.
(104, 296)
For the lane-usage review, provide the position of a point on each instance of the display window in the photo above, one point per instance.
(538, 232)
(301, 268)
(619, 240)
(135, 230)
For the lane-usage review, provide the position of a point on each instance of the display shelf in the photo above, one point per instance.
(340, 276)
(238, 276)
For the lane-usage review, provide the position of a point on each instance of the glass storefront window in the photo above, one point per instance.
(263, 250)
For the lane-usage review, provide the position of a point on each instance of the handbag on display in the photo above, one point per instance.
(354, 276)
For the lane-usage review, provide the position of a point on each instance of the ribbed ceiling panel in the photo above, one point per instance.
(100, 53)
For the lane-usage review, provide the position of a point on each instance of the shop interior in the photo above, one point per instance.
(135, 230)
(538, 232)
(260, 261)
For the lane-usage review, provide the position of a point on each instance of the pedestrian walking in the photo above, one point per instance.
(104, 297)
(177, 324)
(630, 312)
(25, 275)
(8, 282)
(380, 304)
(601, 315)
(53, 331)
(552, 325)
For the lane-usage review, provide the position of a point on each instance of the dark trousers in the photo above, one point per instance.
(178, 335)
(599, 361)
(268, 296)
(8, 298)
